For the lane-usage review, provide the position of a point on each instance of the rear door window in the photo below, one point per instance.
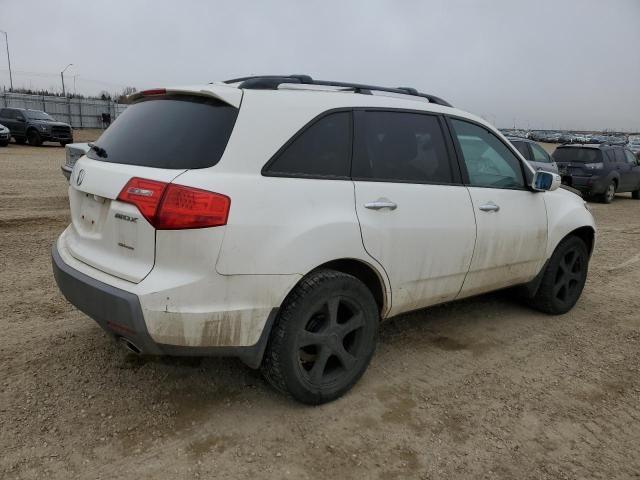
(173, 132)
(619, 153)
(400, 147)
(321, 150)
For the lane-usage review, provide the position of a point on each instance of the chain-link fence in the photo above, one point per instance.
(78, 112)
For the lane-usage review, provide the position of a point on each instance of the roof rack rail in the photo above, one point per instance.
(272, 82)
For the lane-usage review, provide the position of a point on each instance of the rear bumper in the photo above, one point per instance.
(588, 185)
(120, 314)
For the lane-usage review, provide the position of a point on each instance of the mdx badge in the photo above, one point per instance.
(126, 217)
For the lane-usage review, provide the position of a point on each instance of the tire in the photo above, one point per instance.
(636, 194)
(323, 338)
(564, 278)
(4, 144)
(610, 193)
(20, 140)
(34, 139)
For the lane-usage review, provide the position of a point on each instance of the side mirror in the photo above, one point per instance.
(545, 181)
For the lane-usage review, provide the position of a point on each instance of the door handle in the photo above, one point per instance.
(380, 204)
(489, 207)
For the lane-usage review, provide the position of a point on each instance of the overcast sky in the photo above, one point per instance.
(539, 63)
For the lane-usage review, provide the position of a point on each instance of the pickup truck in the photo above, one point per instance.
(35, 127)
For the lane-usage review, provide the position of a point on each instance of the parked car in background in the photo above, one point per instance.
(5, 136)
(534, 154)
(599, 170)
(567, 137)
(280, 225)
(634, 146)
(73, 152)
(35, 126)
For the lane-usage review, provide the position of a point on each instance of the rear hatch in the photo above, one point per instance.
(118, 190)
(580, 161)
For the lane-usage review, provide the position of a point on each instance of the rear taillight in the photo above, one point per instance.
(186, 207)
(168, 206)
(144, 194)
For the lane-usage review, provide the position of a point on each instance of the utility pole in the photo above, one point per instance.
(6, 41)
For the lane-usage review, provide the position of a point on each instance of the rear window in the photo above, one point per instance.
(174, 132)
(577, 155)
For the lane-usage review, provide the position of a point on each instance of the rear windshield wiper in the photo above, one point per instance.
(101, 152)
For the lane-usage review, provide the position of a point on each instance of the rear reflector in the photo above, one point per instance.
(168, 206)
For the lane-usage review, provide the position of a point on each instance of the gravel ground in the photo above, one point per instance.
(483, 388)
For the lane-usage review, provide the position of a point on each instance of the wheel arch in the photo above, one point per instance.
(587, 234)
(366, 273)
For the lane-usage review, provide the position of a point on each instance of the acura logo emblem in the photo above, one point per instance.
(80, 177)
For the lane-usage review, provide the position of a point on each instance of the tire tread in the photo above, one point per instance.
(272, 364)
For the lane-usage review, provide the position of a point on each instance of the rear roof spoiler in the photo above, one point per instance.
(229, 95)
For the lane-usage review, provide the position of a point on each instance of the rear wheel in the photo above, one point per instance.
(610, 193)
(323, 339)
(636, 194)
(564, 278)
(34, 138)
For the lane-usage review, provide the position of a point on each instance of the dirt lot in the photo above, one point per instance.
(484, 388)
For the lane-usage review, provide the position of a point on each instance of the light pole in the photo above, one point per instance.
(74, 84)
(6, 41)
(62, 77)
(64, 94)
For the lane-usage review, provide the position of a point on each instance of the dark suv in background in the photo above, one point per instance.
(35, 126)
(599, 170)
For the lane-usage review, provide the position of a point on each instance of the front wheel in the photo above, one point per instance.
(34, 139)
(563, 278)
(323, 339)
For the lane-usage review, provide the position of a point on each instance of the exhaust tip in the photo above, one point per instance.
(130, 346)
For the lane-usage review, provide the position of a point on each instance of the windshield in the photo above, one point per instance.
(577, 155)
(37, 115)
(177, 132)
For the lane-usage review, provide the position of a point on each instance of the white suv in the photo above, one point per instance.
(279, 219)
